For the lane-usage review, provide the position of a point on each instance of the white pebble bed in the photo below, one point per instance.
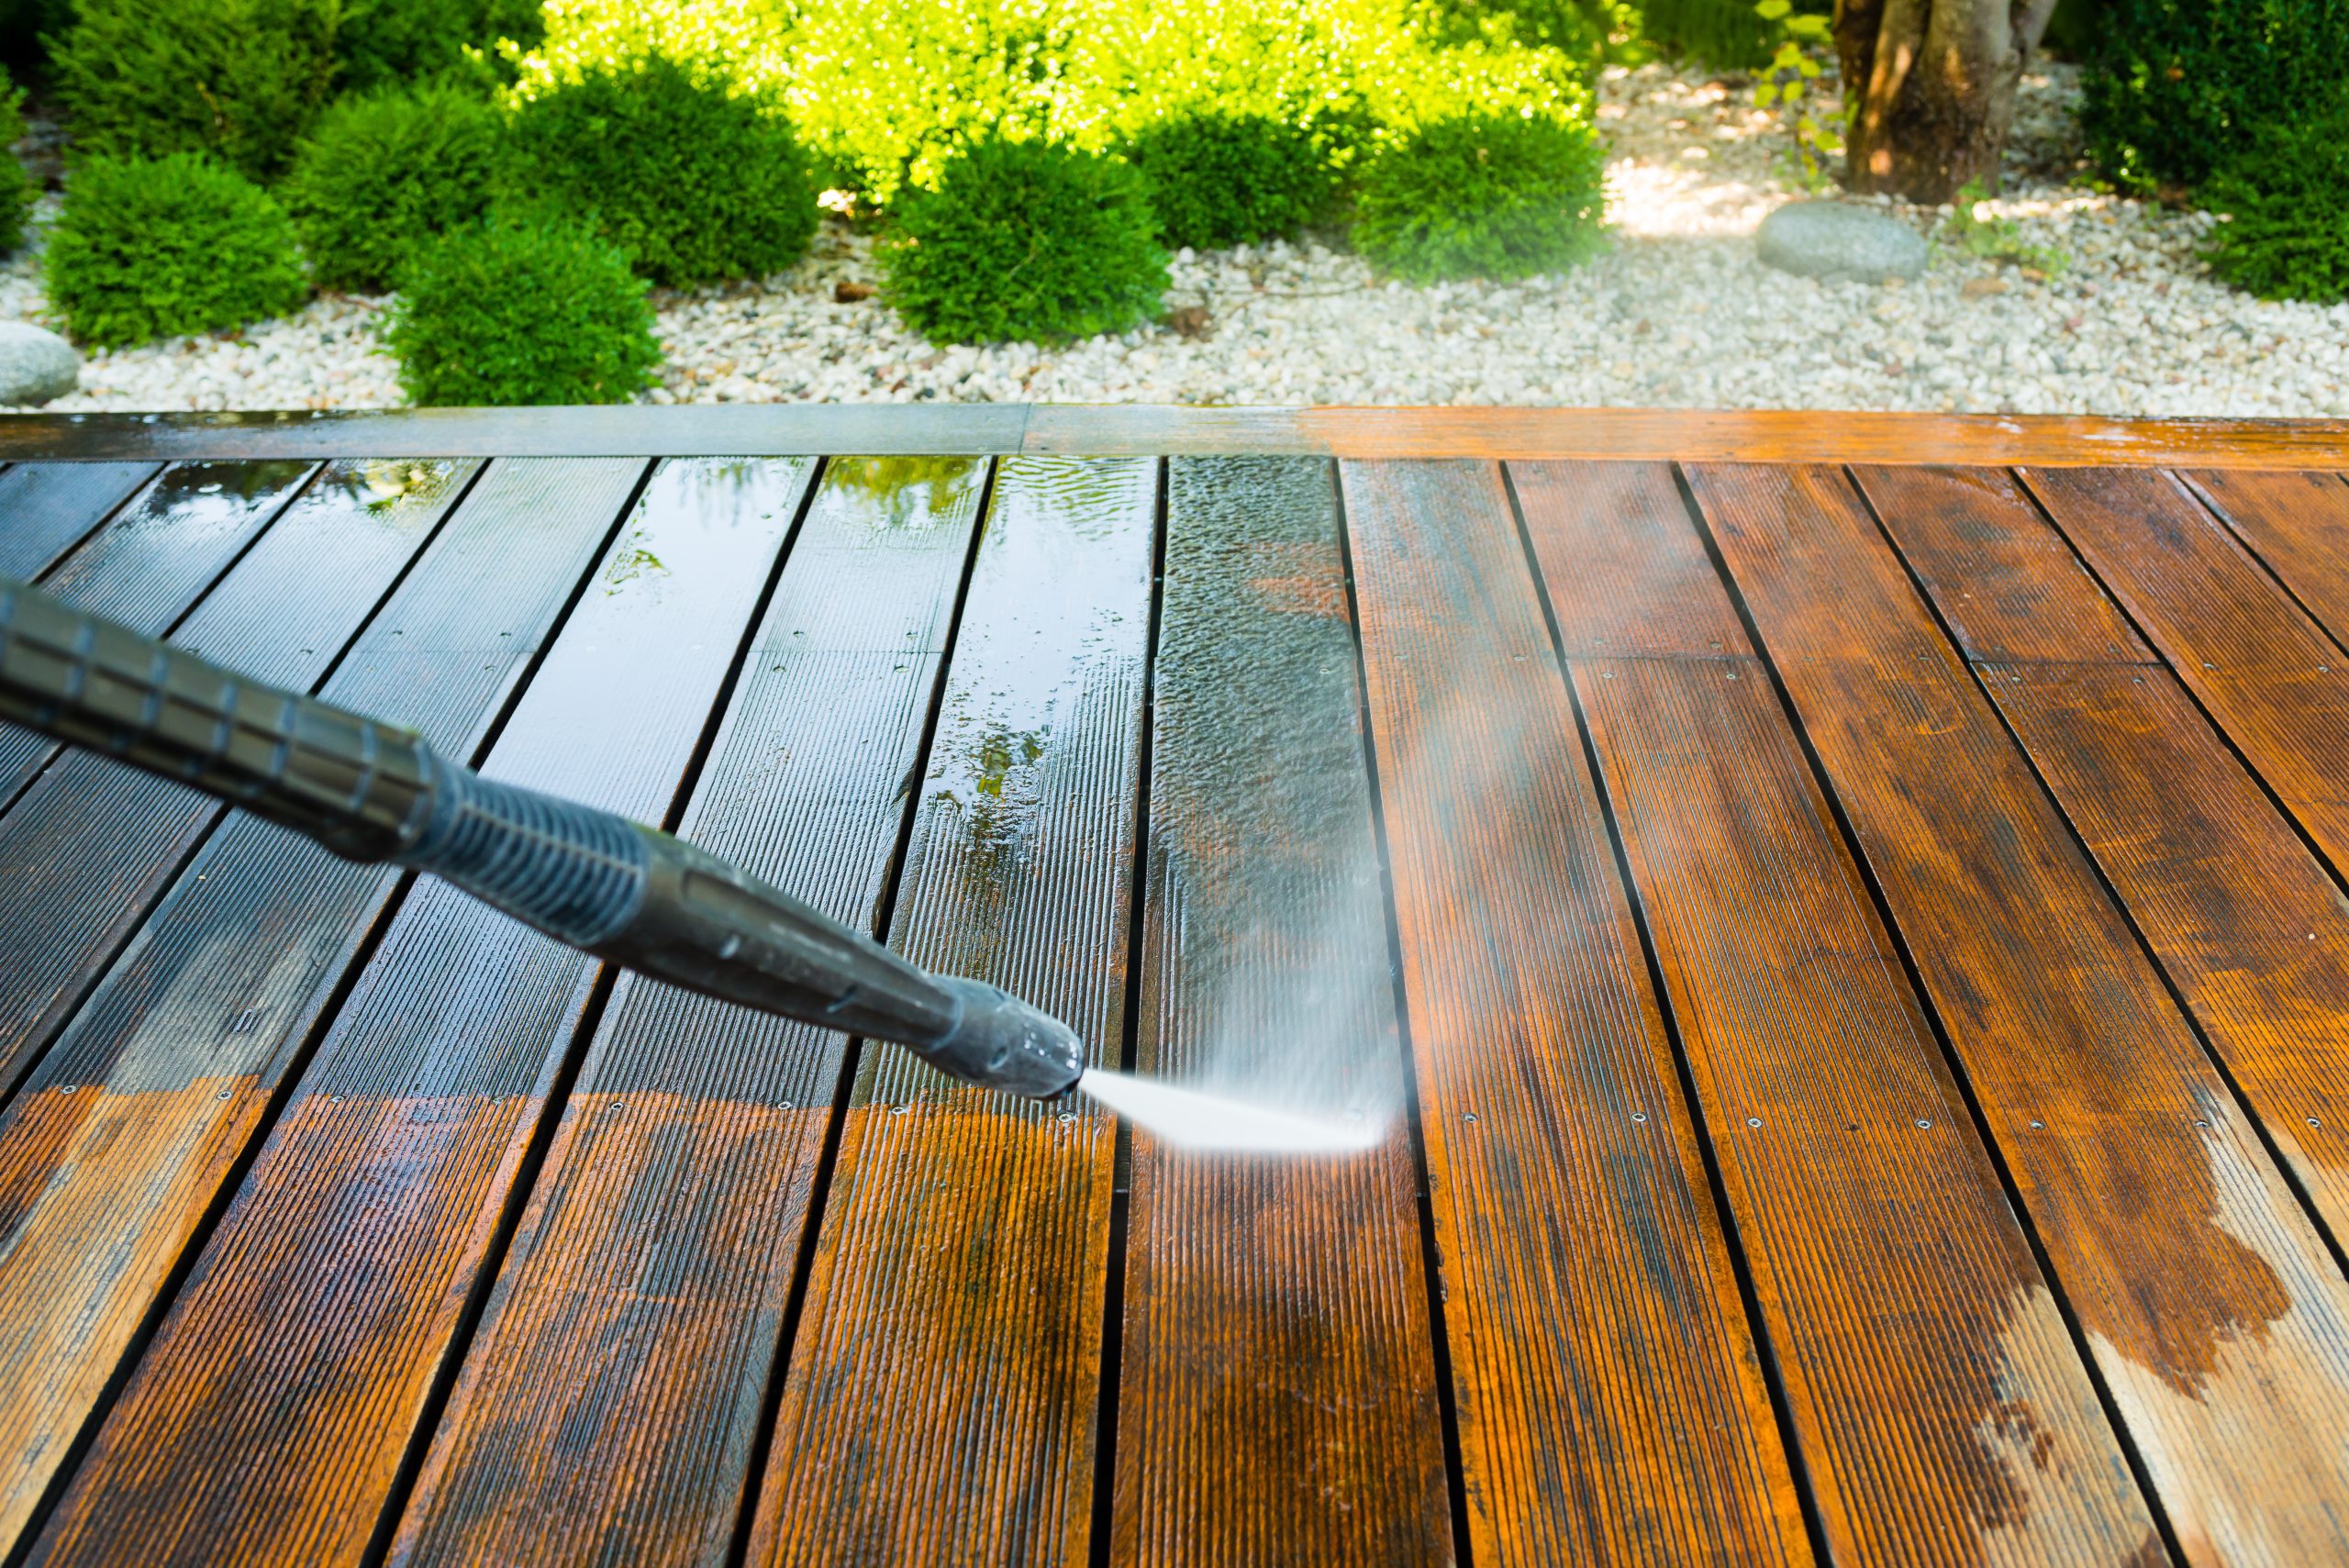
(1677, 313)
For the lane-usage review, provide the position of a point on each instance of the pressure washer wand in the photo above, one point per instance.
(371, 792)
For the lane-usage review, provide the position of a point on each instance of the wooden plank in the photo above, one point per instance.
(154, 560)
(2298, 523)
(129, 1127)
(623, 431)
(269, 1420)
(1941, 1410)
(49, 508)
(2264, 670)
(1277, 1396)
(940, 1402)
(91, 844)
(1610, 1404)
(620, 1369)
(2243, 919)
(1648, 434)
(2203, 1292)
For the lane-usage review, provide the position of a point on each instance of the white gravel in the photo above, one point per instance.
(1676, 313)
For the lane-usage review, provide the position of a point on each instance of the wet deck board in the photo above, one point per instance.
(1856, 962)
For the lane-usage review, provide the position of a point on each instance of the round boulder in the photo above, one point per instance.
(35, 365)
(1829, 240)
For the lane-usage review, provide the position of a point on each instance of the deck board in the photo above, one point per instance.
(2202, 1289)
(1963, 1426)
(1858, 958)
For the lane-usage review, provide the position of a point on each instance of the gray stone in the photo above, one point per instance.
(1829, 240)
(35, 365)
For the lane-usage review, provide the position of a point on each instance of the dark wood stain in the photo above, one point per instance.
(1610, 1405)
(2298, 523)
(2204, 1293)
(1276, 1396)
(646, 1284)
(270, 1415)
(100, 842)
(939, 1405)
(1944, 1414)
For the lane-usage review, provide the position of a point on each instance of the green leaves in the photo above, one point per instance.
(1496, 196)
(384, 174)
(1792, 70)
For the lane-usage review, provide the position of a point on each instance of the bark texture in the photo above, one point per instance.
(1931, 88)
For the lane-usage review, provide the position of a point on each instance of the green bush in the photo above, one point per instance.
(239, 79)
(2286, 205)
(1725, 35)
(1221, 179)
(510, 313)
(1593, 32)
(384, 42)
(17, 192)
(1484, 196)
(1026, 240)
(384, 172)
(149, 249)
(2175, 89)
(696, 183)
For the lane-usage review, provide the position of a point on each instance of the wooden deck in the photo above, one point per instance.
(1851, 907)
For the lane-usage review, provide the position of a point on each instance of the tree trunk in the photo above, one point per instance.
(1929, 86)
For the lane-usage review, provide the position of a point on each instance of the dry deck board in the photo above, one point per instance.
(2243, 917)
(101, 841)
(173, 1060)
(1941, 1408)
(46, 508)
(646, 1286)
(2264, 672)
(940, 1401)
(1611, 1408)
(153, 560)
(1277, 1396)
(269, 1420)
(2205, 1295)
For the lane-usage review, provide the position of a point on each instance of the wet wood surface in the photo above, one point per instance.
(1852, 966)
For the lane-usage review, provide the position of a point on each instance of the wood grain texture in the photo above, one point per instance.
(49, 508)
(2297, 522)
(619, 1371)
(1277, 1396)
(94, 843)
(154, 560)
(270, 1417)
(940, 1402)
(2245, 920)
(2203, 1292)
(131, 1124)
(1612, 1409)
(2264, 670)
(1942, 1413)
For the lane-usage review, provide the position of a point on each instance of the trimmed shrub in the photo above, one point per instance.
(152, 248)
(1725, 35)
(2175, 89)
(385, 171)
(2287, 205)
(239, 79)
(1026, 240)
(1221, 179)
(507, 313)
(18, 191)
(1483, 195)
(695, 181)
(384, 42)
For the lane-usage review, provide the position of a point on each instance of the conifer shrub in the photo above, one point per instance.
(1483, 195)
(695, 181)
(514, 312)
(152, 247)
(385, 171)
(390, 42)
(1027, 242)
(17, 192)
(239, 79)
(1219, 178)
(2286, 201)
